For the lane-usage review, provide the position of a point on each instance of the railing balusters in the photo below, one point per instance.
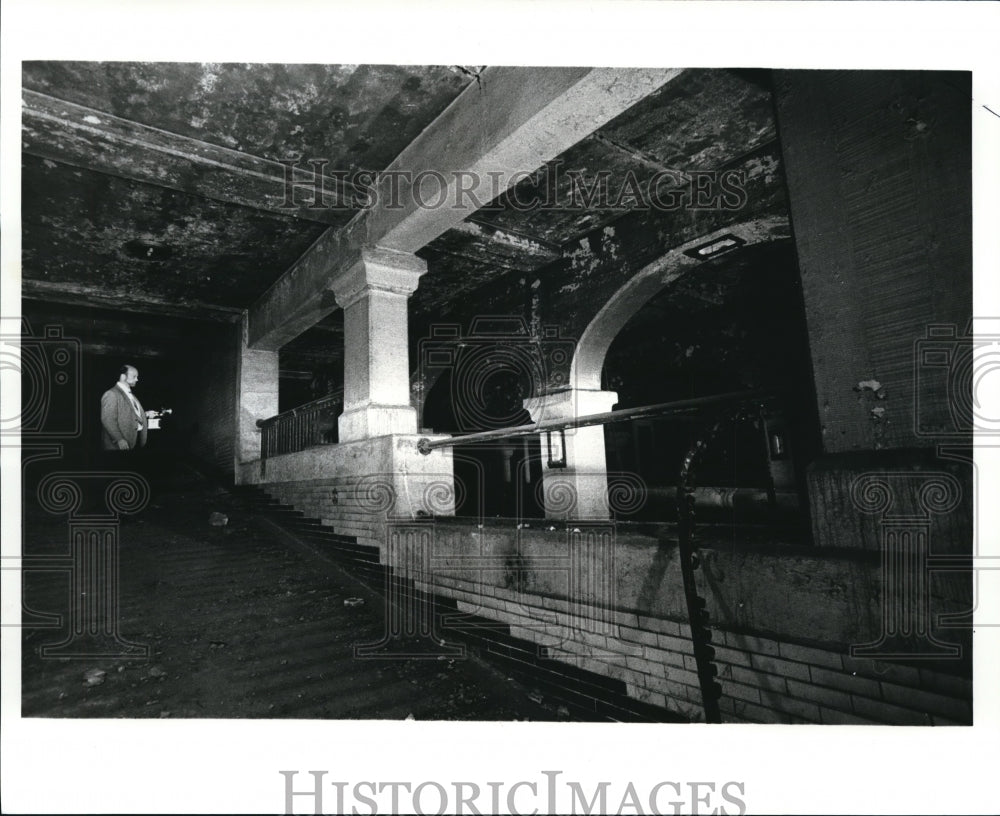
(298, 428)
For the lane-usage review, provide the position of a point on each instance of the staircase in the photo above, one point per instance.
(359, 559)
(576, 692)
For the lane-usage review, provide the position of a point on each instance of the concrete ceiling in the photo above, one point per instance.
(356, 116)
(158, 189)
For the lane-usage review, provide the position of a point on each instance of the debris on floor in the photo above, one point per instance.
(218, 519)
(226, 640)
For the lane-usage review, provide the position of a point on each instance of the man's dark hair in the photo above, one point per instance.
(124, 369)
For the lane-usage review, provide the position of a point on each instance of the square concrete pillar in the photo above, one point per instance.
(579, 490)
(883, 232)
(256, 396)
(373, 294)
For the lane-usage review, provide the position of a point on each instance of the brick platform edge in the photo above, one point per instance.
(637, 668)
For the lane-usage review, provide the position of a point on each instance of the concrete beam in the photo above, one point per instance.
(128, 351)
(94, 140)
(303, 296)
(510, 122)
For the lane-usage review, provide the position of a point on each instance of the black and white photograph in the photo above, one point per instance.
(565, 432)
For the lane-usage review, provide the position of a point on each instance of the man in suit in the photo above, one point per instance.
(123, 422)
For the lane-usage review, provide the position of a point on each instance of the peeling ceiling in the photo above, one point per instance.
(156, 188)
(97, 235)
(355, 116)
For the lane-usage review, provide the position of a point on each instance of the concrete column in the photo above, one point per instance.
(579, 490)
(877, 168)
(373, 294)
(256, 396)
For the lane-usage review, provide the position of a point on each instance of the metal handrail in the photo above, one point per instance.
(676, 408)
(737, 406)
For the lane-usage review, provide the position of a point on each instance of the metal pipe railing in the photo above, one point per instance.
(295, 429)
(675, 408)
(737, 406)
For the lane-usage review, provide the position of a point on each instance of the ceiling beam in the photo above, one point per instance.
(510, 122)
(302, 296)
(93, 140)
(95, 296)
(130, 351)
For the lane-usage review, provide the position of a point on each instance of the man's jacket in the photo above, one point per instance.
(119, 421)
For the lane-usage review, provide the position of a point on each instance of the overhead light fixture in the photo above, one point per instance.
(715, 247)
(555, 441)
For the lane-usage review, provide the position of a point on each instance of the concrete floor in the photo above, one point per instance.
(240, 624)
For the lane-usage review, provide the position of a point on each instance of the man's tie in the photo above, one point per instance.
(135, 407)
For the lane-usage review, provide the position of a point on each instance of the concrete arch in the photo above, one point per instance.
(593, 345)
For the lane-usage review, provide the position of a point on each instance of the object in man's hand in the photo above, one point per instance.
(153, 417)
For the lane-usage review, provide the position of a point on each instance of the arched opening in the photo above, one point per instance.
(685, 328)
(734, 324)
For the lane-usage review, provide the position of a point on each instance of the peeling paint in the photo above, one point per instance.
(77, 229)
(765, 165)
(257, 108)
(209, 78)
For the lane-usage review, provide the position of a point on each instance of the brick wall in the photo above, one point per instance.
(764, 680)
(521, 578)
(772, 681)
